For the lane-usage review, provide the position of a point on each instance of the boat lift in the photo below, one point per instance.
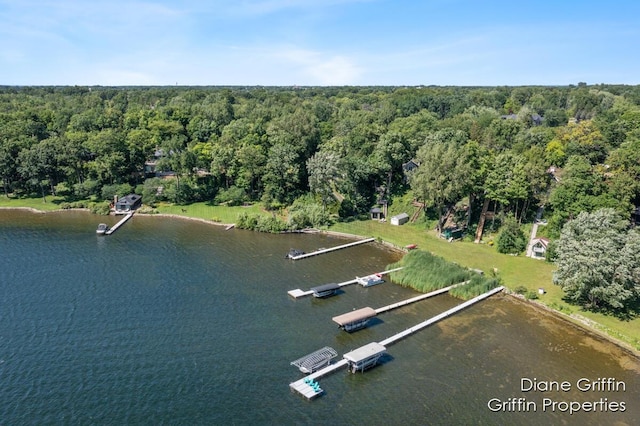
(316, 360)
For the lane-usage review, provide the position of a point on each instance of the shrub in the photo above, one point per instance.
(511, 239)
(520, 289)
(233, 196)
(101, 208)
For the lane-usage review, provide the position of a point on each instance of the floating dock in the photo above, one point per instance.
(297, 293)
(327, 250)
(122, 221)
(301, 386)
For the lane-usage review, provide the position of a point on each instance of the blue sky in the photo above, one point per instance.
(318, 42)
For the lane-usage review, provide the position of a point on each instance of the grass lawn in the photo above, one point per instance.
(514, 270)
(222, 214)
(53, 203)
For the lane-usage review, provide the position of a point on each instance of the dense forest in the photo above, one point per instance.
(500, 150)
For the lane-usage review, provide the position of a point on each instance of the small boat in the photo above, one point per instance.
(294, 253)
(325, 290)
(102, 229)
(411, 246)
(370, 280)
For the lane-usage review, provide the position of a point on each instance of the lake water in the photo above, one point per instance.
(177, 322)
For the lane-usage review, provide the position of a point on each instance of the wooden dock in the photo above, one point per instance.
(327, 250)
(297, 293)
(122, 221)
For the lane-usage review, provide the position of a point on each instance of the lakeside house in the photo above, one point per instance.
(127, 203)
(539, 247)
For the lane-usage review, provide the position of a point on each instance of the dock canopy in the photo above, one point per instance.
(354, 316)
(325, 288)
(365, 356)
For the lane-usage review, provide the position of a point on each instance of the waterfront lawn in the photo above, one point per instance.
(221, 214)
(515, 271)
(53, 203)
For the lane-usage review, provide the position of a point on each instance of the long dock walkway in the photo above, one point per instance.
(327, 250)
(391, 340)
(416, 298)
(297, 293)
(122, 221)
(301, 386)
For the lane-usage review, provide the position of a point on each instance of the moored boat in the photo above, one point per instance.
(294, 253)
(370, 280)
(102, 229)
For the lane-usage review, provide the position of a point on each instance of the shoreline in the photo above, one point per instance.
(589, 326)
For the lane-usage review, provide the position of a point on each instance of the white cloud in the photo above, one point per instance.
(319, 67)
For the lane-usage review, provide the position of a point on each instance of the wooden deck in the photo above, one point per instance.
(122, 221)
(327, 250)
(297, 293)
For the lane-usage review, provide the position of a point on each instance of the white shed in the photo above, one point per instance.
(400, 219)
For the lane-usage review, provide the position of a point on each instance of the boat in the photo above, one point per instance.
(294, 253)
(411, 246)
(325, 290)
(102, 229)
(370, 280)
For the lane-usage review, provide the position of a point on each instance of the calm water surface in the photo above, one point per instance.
(177, 322)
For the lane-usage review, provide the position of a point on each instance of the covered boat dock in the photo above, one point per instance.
(325, 290)
(355, 320)
(364, 357)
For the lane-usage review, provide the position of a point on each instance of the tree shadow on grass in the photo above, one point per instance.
(628, 313)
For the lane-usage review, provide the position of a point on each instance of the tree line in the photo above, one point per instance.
(493, 154)
(506, 150)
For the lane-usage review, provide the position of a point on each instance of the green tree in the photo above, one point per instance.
(598, 261)
(323, 170)
(441, 178)
(511, 239)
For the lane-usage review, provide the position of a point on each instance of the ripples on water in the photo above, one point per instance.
(174, 322)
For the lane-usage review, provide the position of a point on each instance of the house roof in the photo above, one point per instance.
(400, 216)
(130, 199)
(544, 241)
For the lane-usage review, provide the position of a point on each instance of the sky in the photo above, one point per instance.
(319, 42)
